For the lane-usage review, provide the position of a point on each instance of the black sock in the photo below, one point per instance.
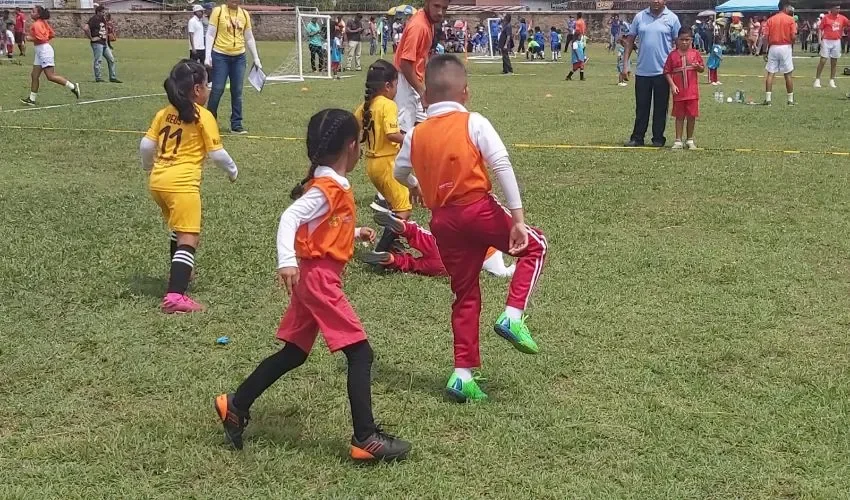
(386, 240)
(173, 240)
(581, 75)
(360, 388)
(570, 75)
(267, 373)
(181, 269)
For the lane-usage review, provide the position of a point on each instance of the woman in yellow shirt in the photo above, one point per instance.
(378, 117)
(173, 152)
(228, 35)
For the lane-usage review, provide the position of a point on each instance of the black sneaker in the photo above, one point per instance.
(376, 258)
(28, 101)
(379, 204)
(234, 420)
(238, 131)
(388, 236)
(76, 90)
(633, 144)
(387, 220)
(115, 80)
(658, 144)
(379, 446)
(99, 80)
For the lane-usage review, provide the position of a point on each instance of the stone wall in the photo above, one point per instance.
(281, 25)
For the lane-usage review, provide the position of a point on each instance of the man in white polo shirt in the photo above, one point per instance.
(196, 34)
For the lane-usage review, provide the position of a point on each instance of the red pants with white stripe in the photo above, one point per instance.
(464, 233)
(429, 264)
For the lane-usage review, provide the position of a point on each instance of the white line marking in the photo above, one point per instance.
(81, 103)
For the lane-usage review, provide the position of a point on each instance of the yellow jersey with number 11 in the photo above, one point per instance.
(181, 149)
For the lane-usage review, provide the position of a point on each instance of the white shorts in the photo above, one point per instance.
(779, 59)
(830, 49)
(44, 56)
(410, 111)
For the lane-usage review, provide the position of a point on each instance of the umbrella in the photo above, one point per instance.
(406, 10)
(459, 24)
(705, 13)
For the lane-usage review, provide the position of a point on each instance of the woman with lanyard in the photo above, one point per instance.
(228, 35)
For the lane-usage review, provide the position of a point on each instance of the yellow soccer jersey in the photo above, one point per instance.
(181, 149)
(384, 121)
(230, 26)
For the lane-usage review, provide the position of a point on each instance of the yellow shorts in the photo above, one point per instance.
(380, 172)
(181, 211)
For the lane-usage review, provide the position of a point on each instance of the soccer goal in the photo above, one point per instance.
(487, 50)
(300, 64)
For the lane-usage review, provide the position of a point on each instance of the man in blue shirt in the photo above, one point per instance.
(657, 28)
(523, 34)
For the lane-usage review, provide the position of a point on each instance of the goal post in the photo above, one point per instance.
(488, 52)
(292, 67)
(491, 21)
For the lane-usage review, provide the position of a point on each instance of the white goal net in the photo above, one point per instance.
(486, 50)
(311, 57)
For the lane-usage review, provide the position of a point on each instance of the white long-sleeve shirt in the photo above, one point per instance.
(484, 137)
(308, 209)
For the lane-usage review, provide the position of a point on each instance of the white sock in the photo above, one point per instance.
(495, 265)
(513, 312)
(464, 374)
(767, 96)
(791, 97)
(69, 85)
(33, 95)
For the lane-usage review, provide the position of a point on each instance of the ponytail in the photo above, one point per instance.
(180, 85)
(328, 133)
(379, 75)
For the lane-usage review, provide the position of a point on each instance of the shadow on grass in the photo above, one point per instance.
(149, 286)
(282, 426)
(396, 379)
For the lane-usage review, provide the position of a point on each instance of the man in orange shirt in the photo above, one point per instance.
(831, 28)
(410, 59)
(581, 26)
(780, 31)
(451, 177)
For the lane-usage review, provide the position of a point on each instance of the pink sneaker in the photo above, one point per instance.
(174, 303)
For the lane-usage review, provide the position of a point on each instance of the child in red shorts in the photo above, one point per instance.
(315, 240)
(681, 70)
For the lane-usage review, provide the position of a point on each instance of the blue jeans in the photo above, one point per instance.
(225, 67)
(100, 51)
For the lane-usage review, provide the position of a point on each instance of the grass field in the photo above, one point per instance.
(692, 316)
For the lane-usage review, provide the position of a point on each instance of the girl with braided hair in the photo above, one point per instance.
(382, 138)
(314, 241)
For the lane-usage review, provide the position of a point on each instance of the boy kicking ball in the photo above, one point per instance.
(681, 70)
(451, 178)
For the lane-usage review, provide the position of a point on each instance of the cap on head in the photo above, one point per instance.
(197, 8)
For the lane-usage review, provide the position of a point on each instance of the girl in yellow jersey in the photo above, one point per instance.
(173, 151)
(378, 117)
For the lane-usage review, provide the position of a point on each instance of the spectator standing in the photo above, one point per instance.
(353, 31)
(373, 36)
(315, 44)
(195, 29)
(658, 28)
(229, 35)
(523, 34)
(614, 29)
(571, 30)
(20, 31)
(780, 31)
(832, 26)
(97, 34)
(506, 41)
(805, 33)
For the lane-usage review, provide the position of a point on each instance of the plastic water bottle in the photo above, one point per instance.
(716, 96)
(722, 98)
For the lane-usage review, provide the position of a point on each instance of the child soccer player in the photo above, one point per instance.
(578, 58)
(621, 62)
(555, 43)
(41, 33)
(429, 262)
(180, 137)
(533, 49)
(541, 42)
(681, 70)
(336, 52)
(9, 41)
(452, 179)
(378, 119)
(314, 242)
(714, 60)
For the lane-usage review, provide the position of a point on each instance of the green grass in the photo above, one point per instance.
(692, 317)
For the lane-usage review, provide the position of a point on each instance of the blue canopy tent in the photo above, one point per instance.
(748, 6)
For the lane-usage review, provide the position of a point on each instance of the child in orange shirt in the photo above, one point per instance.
(451, 178)
(315, 240)
(41, 33)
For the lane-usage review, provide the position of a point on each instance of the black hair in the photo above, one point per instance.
(179, 86)
(552, 28)
(99, 9)
(507, 18)
(783, 4)
(42, 12)
(380, 73)
(685, 31)
(328, 132)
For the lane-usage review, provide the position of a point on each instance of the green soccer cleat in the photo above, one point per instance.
(462, 391)
(515, 332)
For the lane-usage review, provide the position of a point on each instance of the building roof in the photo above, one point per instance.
(487, 8)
